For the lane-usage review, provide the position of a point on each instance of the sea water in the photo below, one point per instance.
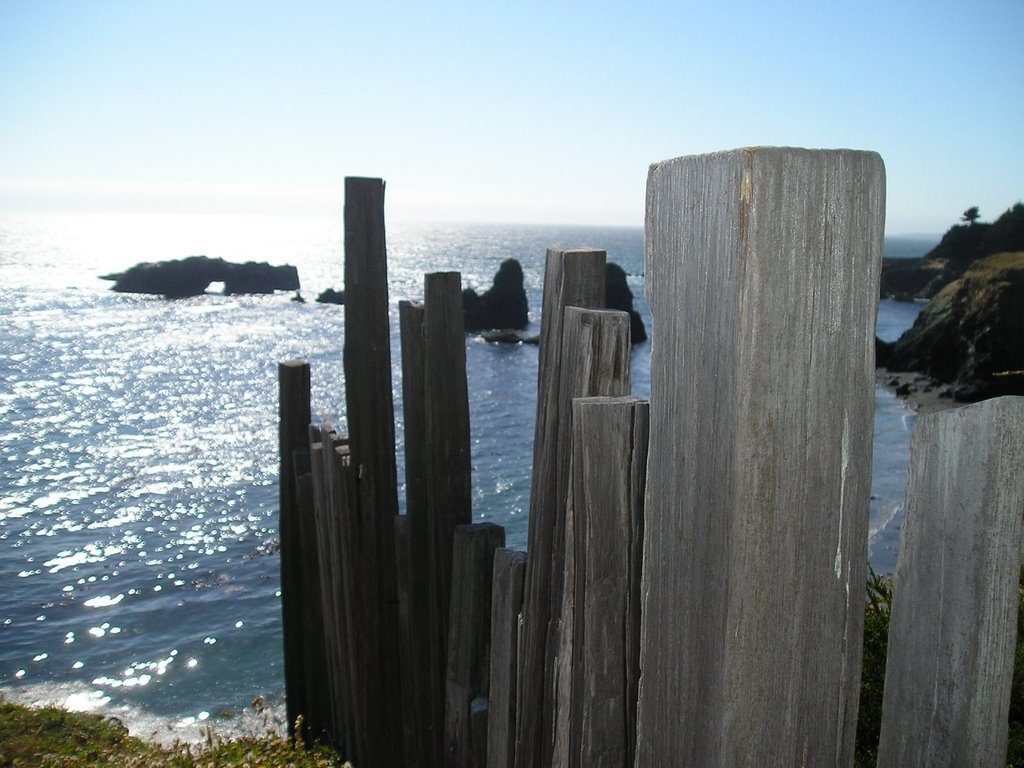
(138, 460)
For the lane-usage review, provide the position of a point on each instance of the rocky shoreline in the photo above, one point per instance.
(920, 392)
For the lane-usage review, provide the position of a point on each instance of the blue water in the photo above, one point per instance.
(138, 459)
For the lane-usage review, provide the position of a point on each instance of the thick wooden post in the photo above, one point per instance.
(469, 644)
(954, 614)
(576, 278)
(371, 423)
(293, 421)
(762, 276)
(598, 657)
(506, 602)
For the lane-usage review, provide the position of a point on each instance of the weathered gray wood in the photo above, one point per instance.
(423, 685)
(573, 277)
(469, 647)
(327, 668)
(293, 421)
(449, 485)
(317, 711)
(598, 656)
(371, 423)
(506, 603)
(447, 458)
(329, 507)
(595, 361)
(762, 276)
(954, 613)
(340, 479)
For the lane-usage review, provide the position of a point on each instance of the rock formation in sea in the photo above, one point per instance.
(331, 296)
(180, 278)
(502, 306)
(970, 334)
(619, 296)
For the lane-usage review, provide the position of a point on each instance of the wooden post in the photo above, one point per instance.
(371, 423)
(446, 460)
(317, 710)
(422, 683)
(329, 549)
(350, 538)
(469, 646)
(506, 602)
(293, 421)
(598, 657)
(762, 276)
(572, 277)
(954, 614)
(449, 485)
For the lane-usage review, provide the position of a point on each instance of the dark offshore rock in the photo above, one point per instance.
(509, 337)
(970, 334)
(180, 278)
(502, 306)
(331, 296)
(619, 296)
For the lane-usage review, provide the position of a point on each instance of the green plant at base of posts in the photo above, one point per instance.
(876, 642)
(50, 737)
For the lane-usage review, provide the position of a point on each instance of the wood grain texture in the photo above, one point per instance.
(371, 423)
(328, 668)
(598, 656)
(446, 396)
(762, 276)
(293, 420)
(572, 277)
(469, 646)
(446, 462)
(506, 603)
(954, 615)
(423, 684)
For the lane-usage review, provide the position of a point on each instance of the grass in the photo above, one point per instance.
(49, 737)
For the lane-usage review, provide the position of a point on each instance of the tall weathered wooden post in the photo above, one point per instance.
(293, 423)
(954, 614)
(762, 276)
(371, 423)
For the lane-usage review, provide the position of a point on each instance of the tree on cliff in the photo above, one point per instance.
(970, 215)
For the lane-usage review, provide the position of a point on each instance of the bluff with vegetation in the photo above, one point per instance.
(960, 247)
(969, 335)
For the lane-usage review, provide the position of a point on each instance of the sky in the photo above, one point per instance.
(531, 112)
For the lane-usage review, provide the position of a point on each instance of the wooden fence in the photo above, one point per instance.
(694, 589)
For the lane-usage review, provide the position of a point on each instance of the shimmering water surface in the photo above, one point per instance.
(138, 462)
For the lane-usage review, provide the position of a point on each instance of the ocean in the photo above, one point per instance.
(138, 460)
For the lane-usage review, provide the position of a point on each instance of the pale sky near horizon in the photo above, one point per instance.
(538, 112)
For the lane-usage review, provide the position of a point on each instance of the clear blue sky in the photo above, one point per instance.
(515, 111)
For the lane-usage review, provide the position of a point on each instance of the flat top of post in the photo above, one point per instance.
(1005, 405)
(765, 151)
